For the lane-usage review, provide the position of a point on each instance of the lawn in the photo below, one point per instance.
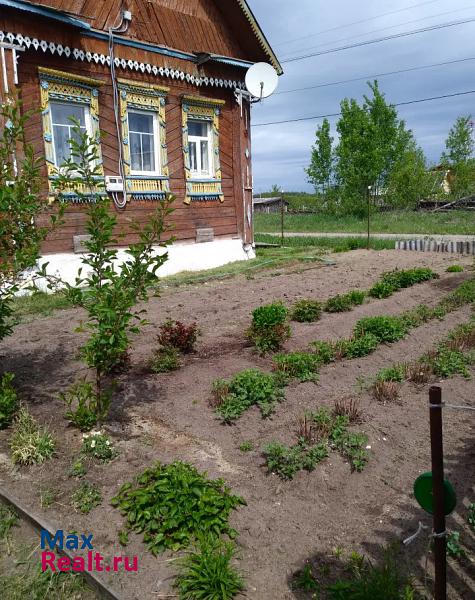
(454, 222)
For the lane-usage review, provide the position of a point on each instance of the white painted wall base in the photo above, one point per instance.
(182, 257)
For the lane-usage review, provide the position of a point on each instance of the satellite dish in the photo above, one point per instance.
(261, 80)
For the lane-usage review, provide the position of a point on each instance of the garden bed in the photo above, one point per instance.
(167, 417)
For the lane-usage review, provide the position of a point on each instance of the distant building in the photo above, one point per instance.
(269, 205)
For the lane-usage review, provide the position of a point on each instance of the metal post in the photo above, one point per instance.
(369, 218)
(438, 492)
(282, 216)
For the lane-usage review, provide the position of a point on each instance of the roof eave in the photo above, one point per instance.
(43, 11)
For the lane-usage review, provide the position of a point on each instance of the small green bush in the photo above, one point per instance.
(29, 443)
(301, 365)
(85, 407)
(448, 363)
(99, 446)
(207, 572)
(174, 505)
(165, 360)
(341, 303)
(246, 446)
(288, 461)
(269, 328)
(396, 374)
(358, 346)
(386, 329)
(85, 498)
(325, 351)
(403, 279)
(307, 311)
(353, 447)
(419, 315)
(250, 387)
(455, 269)
(381, 289)
(357, 297)
(8, 400)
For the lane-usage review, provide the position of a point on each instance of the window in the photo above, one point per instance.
(65, 97)
(63, 128)
(200, 147)
(144, 142)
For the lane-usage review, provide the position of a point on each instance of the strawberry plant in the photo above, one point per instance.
(251, 387)
(301, 365)
(307, 311)
(385, 328)
(174, 505)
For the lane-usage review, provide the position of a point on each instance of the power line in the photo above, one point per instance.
(406, 103)
(383, 39)
(354, 37)
(376, 75)
(312, 35)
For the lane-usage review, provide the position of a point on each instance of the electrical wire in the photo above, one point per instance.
(395, 36)
(376, 75)
(121, 28)
(406, 103)
(360, 35)
(285, 42)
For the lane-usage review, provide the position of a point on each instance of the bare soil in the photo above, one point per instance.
(167, 418)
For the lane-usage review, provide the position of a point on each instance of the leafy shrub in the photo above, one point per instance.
(287, 462)
(403, 279)
(420, 315)
(325, 351)
(78, 469)
(307, 311)
(455, 269)
(385, 391)
(359, 346)
(353, 447)
(29, 443)
(448, 363)
(85, 498)
(269, 328)
(341, 303)
(454, 549)
(250, 387)
(396, 373)
(381, 289)
(207, 572)
(175, 334)
(356, 297)
(464, 294)
(173, 505)
(165, 360)
(301, 365)
(98, 445)
(8, 400)
(385, 328)
(246, 447)
(86, 407)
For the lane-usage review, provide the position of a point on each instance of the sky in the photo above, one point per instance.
(281, 152)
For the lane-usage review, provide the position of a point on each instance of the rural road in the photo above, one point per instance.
(381, 236)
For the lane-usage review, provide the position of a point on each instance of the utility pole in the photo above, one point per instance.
(282, 217)
(369, 216)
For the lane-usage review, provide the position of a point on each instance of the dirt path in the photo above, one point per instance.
(167, 418)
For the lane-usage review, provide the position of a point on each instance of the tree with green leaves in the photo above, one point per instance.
(21, 205)
(458, 158)
(108, 289)
(320, 172)
(409, 181)
(372, 138)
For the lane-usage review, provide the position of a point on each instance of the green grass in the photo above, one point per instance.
(454, 222)
(39, 304)
(326, 244)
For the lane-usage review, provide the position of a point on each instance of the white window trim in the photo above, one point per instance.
(197, 139)
(87, 120)
(156, 143)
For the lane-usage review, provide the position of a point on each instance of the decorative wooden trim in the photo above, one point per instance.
(145, 97)
(120, 63)
(58, 85)
(209, 109)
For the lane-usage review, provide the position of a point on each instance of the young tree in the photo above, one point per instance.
(20, 207)
(372, 137)
(320, 171)
(409, 181)
(108, 290)
(460, 142)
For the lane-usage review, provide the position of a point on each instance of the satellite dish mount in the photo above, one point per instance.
(261, 82)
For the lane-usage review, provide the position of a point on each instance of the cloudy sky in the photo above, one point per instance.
(303, 26)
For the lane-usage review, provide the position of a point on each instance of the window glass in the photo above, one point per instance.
(61, 115)
(142, 142)
(198, 128)
(199, 141)
(193, 157)
(205, 156)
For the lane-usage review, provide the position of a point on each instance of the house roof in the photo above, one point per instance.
(150, 16)
(264, 201)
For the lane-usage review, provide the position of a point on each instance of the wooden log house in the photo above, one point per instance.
(160, 79)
